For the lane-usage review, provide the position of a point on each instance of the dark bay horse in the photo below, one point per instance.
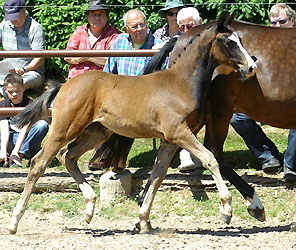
(168, 105)
(269, 96)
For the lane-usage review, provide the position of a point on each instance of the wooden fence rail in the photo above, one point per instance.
(68, 53)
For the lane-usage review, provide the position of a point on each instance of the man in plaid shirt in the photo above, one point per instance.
(96, 35)
(137, 36)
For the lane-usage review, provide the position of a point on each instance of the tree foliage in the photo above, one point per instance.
(60, 18)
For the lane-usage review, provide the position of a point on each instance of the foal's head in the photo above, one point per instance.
(227, 48)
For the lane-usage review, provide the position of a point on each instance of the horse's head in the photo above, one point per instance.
(227, 47)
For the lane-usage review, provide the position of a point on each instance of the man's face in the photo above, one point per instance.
(186, 24)
(19, 22)
(136, 27)
(97, 19)
(282, 20)
(15, 92)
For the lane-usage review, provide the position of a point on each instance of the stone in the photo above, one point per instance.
(114, 186)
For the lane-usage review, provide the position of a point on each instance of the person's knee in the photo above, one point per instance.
(42, 125)
(32, 80)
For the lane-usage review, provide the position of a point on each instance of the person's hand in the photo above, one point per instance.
(20, 71)
(3, 159)
(75, 60)
(15, 158)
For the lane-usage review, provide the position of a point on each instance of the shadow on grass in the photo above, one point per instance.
(240, 159)
(144, 162)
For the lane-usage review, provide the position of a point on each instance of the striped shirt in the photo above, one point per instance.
(30, 37)
(132, 66)
(79, 40)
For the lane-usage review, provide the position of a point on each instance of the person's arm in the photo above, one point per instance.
(37, 42)
(100, 61)
(4, 140)
(33, 65)
(15, 157)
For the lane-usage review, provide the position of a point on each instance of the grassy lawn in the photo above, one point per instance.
(279, 202)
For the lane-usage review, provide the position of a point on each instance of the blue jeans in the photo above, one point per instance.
(32, 142)
(256, 140)
(290, 154)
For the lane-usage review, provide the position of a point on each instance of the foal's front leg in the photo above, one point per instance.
(189, 142)
(164, 157)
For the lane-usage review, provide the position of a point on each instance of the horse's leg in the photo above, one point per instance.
(113, 153)
(92, 136)
(38, 166)
(165, 155)
(216, 132)
(189, 141)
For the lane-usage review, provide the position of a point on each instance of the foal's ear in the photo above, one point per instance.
(230, 18)
(220, 22)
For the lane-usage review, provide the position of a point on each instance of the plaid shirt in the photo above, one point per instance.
(30, 37)
(163, 33)
(79, 41)
(132, 66)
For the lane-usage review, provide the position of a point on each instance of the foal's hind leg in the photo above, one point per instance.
(165, 155)
(92, 136)
(188, 141)
(38, 166)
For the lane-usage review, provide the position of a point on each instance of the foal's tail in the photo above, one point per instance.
(157, 60)
(39, 109)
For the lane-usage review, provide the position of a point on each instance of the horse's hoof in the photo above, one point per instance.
(257, 213)
(88, 218)
(144, 227)
(11, 231)
(226, 218)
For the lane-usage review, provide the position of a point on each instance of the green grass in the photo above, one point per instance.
(279, 203)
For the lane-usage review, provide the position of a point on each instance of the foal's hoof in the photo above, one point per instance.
(11, 230)
(257, 213)
(88, 217)
(226, 218)
(144, 227)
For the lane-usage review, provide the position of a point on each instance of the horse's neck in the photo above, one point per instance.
(195, 63)
(195, 69)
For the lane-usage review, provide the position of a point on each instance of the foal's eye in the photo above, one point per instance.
(229, 43)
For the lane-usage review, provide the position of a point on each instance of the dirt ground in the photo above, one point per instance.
(54, 231)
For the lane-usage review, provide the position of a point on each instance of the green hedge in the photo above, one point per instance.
(59, 19)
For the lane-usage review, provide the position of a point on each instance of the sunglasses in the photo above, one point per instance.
(282, 21)
(187, 26)
(171, 13)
